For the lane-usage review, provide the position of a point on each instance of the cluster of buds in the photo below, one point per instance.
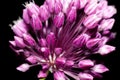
(61, 35)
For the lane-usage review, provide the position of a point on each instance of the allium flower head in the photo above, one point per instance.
(61, 35)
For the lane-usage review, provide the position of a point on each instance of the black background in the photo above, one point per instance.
(11, 10)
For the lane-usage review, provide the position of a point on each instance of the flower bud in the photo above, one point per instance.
(32, 59)
(59, 20)
(58, 6)
(83, 64)
(58, 75)
(45, 51)
(106, 32)
(22, 26)
(66, 4)
(19, 42)
(58, 51)
(17, 31)
(69, 63)
(36, 22)
(93, 44)
(112, 35)
(24, 67)
(106, 24)
(25, 16)
(32, 9)
(99, 68)
(76, 3)
(104, 40)
(27, 53)
(42, 74)
(29, 40)
(90, 8)
(105, 49)
(51, 38)
(101, 7)
(83, 3)
(60, 62)
(109, 12)
(91, 1)
(85, 76)
(91, 21)
(51, 6)
(71, 17)
(45, 67)
(81, 40)
(19, 28)
(12, 43)
(98, 35)
(102, 4)
(42, 42)
(44, 14)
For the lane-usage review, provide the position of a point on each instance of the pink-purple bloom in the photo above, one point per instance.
(61, 35)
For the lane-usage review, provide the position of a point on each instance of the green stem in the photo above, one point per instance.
(42, 79)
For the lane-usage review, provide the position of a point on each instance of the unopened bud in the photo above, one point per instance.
(59, 20)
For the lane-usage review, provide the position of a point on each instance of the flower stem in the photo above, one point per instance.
(42, 79)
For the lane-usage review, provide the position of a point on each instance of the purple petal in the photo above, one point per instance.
(50, 4)
(42, 74)
(58, 6)
(60, 62)
(36, 23)
(83, 64)
(85, 76)
(93, 43)
(32, 59)
(59, 20)
(29, 40)
(24, 67)
(44, 14)
(91, 21)
(58, 51)
(17, 31)
(69, 63)
(106, 24)
(83, 3)
(51, 39)
(25, 16)
(43, 42)
(81, 40)
(19, 42)
(105, 49)
(76, 3)
(71, 17)
(102, 5)
(32, 9)
(45, 67)
(109, 12)
(12, 43)
(22, 26)
(90, 8)
(58, 75)
(45, 51)
(66, 5)
(99, 68)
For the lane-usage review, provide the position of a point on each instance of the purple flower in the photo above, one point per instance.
(61, 35)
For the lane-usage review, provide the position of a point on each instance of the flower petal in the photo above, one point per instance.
(99, 68)
(24, 67)
(105, 49)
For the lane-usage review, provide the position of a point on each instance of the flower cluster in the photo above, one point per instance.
(61, 35)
